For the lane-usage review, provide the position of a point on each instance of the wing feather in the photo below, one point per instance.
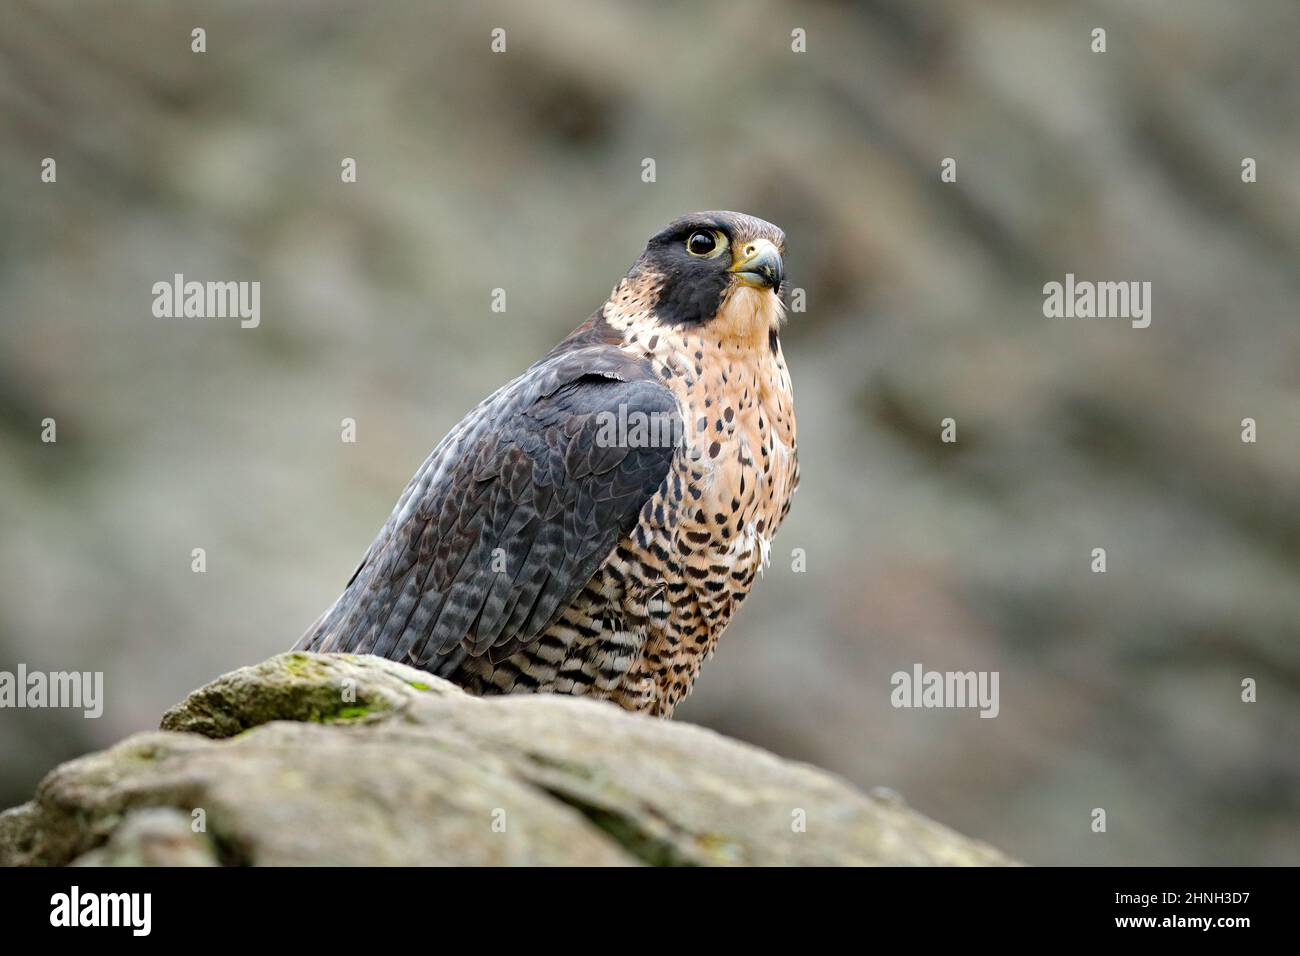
(526, 473)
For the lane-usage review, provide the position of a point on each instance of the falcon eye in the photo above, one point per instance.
(706, 243)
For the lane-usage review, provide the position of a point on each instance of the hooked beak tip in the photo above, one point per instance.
(758, 264)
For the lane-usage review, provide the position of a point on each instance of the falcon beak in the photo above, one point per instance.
(757, 263)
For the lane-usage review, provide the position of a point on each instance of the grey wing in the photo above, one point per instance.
(509, 517)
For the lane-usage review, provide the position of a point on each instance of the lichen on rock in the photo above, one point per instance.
(354, 760)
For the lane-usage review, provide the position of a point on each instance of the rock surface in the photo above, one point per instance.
(339, 759)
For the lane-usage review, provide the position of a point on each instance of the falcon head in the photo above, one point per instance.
(716, 273)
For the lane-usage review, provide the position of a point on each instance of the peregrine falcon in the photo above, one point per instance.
(591, 527)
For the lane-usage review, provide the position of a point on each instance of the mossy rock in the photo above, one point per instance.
(343, 759)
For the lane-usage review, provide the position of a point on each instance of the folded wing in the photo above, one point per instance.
(510, 516)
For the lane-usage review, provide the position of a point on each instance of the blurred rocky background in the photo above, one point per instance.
(522, 171)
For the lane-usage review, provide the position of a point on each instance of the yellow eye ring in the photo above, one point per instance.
(706, 243)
